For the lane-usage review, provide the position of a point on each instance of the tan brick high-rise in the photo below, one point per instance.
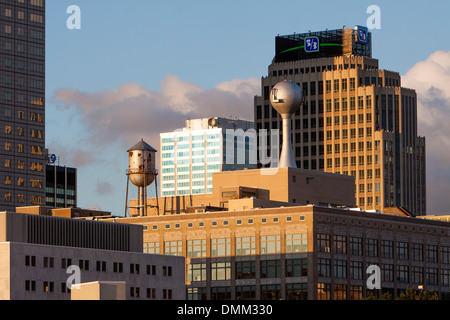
(356, 119)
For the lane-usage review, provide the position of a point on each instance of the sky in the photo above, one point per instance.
(140, 67)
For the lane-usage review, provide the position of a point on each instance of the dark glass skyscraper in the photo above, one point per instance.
(22, 103)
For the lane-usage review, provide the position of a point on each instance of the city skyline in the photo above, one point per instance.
(100, 101)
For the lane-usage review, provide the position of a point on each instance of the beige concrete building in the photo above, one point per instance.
(99, 290)
(255, 242)
(287, 186)
(301, 252)
(36, 252)
(63, 212)
(356, 118)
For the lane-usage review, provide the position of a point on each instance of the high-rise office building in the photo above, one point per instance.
(190, 156)
(22, 92)
(61, 186)
(356, 119)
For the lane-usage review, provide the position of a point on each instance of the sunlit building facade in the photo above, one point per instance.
(356, 119)
(22, 92)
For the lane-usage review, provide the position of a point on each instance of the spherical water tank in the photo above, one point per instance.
(141, 164)
(286, 97)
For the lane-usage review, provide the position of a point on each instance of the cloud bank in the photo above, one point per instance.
(111, 121)
(125, 115)
(132, 112)
(431, 80)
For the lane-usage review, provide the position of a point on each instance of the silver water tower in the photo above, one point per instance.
(286, 97)
(141, 172)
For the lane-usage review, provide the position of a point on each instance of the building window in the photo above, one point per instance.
(134, 268)
(167, 271)
(245, 292)
(431, 276)
(245, 246)
(196, 293)
(83, 264)
(296, 243)
(387, 249)
(221, 293)
(245, 270)
(30, 285)
(151, 293)
(356, 269)
(196, 272)
(296, 291)
(271, 292)
(417, 251)
(372, 247)
(323, 243)
(48, 286)
(356, 293)
(340, 244)
(340, 292)
(445, 277)
(101, 266)
(220, 247)
(270, 244)
(30, 261)
(356, 246)
(151, 247)
(117, 267)
(134, 292)
(445, 255)
(151, 270)
(221, 271)
(402, 250)
(270, 268)
(431, 253)
(323, 291)
(296, 267)
(417, 275)
(324, 267)
(340, 269)
(173, 248)
(402, 274)
(196, 248)
(48, 262)
(387, 272)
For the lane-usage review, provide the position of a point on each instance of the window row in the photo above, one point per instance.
(134, 292)
(223, 247)
(100, 266)
(246, 270)
(249, 221)
(293, 291)
(356, 270)
(401, 250)
(20, 132)
(33, 199)
(312, 107)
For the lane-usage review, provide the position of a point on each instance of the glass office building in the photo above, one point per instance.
(190, 156)
(22, 105)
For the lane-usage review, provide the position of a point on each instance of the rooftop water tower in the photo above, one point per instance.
(141, 172)
(286, 97)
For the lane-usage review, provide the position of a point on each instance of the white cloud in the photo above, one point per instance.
(105, 124)
(132, 112)
(431, 80)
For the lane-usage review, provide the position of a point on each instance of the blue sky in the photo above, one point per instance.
(128, 50)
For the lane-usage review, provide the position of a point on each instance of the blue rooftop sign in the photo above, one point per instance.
(312, 44)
